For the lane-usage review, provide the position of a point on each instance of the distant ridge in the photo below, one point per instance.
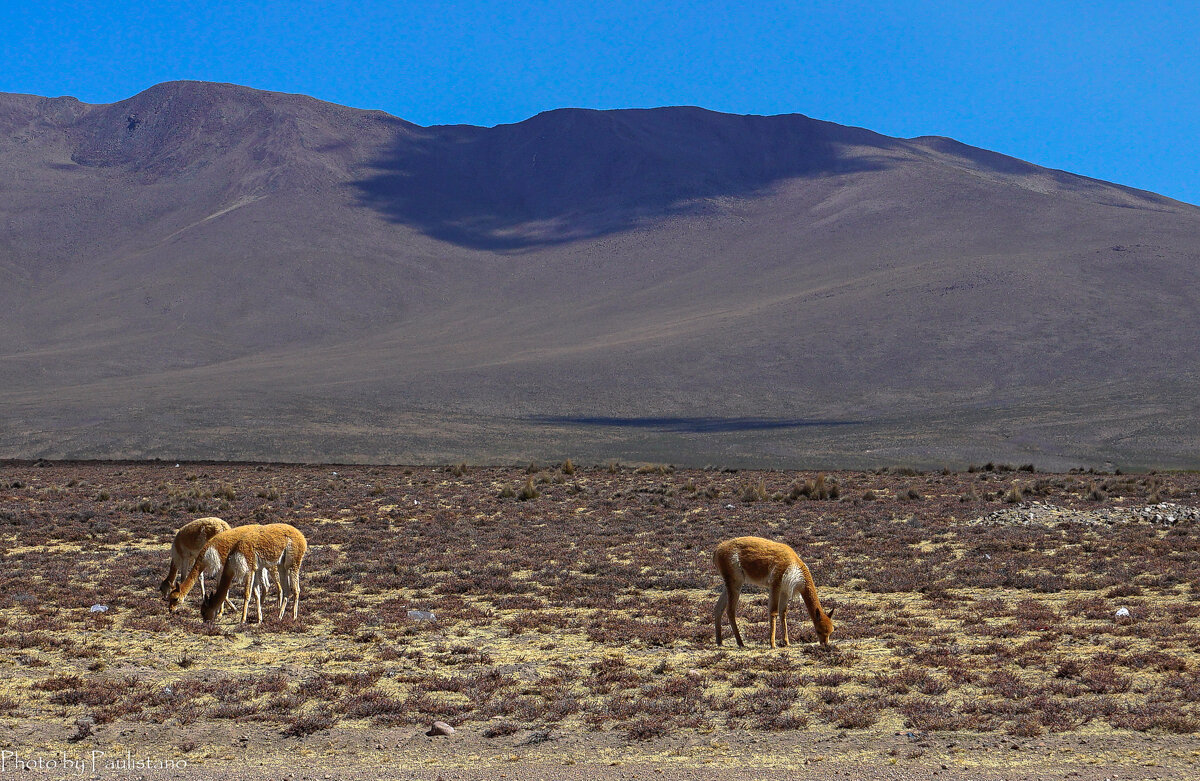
(211, 271)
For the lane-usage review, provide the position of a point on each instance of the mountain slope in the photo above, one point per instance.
(207, 270)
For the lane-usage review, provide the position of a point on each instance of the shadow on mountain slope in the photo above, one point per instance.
(574, 173)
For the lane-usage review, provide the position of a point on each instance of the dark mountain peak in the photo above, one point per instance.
(178, 125)
(170, 127)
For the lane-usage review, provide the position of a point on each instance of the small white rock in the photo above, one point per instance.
(1123, 612)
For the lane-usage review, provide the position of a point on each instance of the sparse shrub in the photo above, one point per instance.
(814, 489)
(931, 715)
(568, 468)
(647, 728)
(755, 491)
(854, 715)
(501, 729)
(308, 723)
(528, 491)
(508, 492)
(1027, 725)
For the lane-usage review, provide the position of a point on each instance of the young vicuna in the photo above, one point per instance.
(189, 541)
(211, 560)
(775, 567)
(252, 556)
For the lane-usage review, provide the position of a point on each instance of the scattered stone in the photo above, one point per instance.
(1046, 515)
(440, 728)
(1123, 612)
(421, 615)
(98, 609)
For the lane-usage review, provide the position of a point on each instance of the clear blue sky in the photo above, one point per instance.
(1103, 88)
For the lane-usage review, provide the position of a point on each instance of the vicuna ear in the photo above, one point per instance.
(829, 612)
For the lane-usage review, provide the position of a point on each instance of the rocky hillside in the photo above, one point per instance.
(206, 270)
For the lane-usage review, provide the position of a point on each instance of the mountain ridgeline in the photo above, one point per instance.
(210, 271)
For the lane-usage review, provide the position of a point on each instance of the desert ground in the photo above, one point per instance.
(976, 619)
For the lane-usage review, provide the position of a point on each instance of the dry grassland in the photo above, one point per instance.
(575, 628)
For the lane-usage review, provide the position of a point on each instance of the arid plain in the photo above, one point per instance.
(976, 634)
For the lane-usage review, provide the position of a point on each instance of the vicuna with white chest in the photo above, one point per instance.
(276, 545)
(212, 559)
(775, 567)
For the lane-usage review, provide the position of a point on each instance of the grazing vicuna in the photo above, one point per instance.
(276, 545)
(211, 559)
(775, 567)
(189, 541)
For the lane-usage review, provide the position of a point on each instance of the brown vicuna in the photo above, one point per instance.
(775, 567)
(251, 557)
(211, 559)
(189, 541)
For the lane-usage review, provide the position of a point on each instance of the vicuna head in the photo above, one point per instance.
(824, 625)
(208, 609)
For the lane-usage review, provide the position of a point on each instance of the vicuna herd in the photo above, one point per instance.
(250, 555)
(246, 555)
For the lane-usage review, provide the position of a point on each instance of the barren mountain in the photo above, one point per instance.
(210, 271)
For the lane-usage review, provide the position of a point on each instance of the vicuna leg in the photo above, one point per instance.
(773, 607)
(721, 601)
(735, 593)
(249, 590)
(783, 623)
(262, 584)
(283, 582)
(295, 578)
